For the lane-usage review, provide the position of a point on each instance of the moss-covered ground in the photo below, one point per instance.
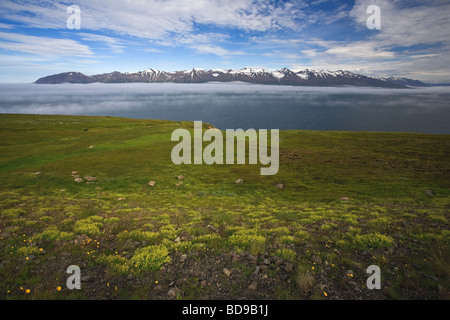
(350, 200)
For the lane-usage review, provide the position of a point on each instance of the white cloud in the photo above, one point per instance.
(39, 14)
(413, 42)
(155, 20)
(365, 49)
(5, 26)
(408, 23)
(42, 46)
(413, 38)
(210, 49)
(153, 50)
(113, 44)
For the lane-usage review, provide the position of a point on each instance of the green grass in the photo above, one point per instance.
(119, 227)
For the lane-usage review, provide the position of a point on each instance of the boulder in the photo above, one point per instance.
(253, 285)
(173, 292)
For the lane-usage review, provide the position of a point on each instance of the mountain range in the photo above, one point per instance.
(250, 75)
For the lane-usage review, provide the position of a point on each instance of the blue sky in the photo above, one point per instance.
(174, 35)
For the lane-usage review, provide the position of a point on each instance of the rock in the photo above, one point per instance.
(180, 177)
(256, 270)
(278, 261)
(3, 264)
(280, 186)
(38, 173)
(212, 228)
(337, 252)
(443, 292)
(289, 267)
(239, 181)
(253, 285)
(316, 259)
(85, 278)
(183, 257)
(78, 180)
(203, 283)
(158, 288)
(234, 256)
(227, 272)
(353, 283)
(152, 183)
(173, 292)
(74, 172)
(90, 179)
(179, 184)
(90, 147)
(177, 239)
(266, 261)
(345, 199)
(121, 199)
(428, 192)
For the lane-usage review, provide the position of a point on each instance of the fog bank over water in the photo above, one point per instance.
(239, 105)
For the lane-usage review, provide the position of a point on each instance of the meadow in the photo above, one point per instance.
(340, 202)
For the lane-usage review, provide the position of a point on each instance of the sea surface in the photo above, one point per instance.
(241, 105)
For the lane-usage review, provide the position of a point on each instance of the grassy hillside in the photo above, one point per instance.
(350, 200)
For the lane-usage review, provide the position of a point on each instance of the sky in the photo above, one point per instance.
(39, 38)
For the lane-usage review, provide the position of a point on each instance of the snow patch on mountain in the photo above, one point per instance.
(255, 75)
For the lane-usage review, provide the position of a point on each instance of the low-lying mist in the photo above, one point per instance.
(240, 105)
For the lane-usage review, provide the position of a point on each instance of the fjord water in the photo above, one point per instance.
(240, 105)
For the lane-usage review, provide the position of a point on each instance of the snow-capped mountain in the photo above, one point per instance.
(251, 75)
(403, 81)
(70, 77)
